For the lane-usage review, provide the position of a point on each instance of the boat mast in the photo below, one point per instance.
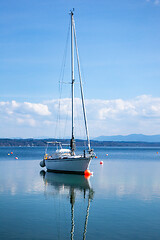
(72, 201)
(81, 87)
(72, 76)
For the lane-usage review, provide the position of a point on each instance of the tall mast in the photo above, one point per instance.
(81, 87)
(72, 76)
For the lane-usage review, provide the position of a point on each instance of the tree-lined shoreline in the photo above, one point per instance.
(31, 142)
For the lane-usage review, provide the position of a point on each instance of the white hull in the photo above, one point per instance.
(70, 165)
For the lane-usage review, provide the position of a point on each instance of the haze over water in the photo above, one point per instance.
(120, 201)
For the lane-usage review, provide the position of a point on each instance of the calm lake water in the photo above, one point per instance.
(120, 201)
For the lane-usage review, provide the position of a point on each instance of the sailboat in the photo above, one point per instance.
(66, 160)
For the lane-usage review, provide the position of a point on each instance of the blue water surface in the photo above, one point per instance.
(120, 201)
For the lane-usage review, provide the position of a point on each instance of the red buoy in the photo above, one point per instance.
(101, 162)
(16, 157)
(95, 156)
(87, 173)
(11, 152)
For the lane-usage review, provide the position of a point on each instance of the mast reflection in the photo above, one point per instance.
(72, 184)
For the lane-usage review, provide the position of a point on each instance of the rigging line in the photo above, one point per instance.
(66, 120)
(64, 56)
(61, 77)
(79, 125)
(56, 217)
(81, 87)
(86, 219)
(79, 122)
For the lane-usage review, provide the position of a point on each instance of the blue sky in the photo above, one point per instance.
(119, 46)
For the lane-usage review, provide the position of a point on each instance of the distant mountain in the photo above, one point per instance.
(130, 138)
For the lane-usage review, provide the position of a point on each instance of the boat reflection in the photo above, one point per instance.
(56, 183)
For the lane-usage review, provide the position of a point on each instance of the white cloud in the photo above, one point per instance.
(105, 117)
(37, 108)
(14, 107)
(15, 104)
(28, 121)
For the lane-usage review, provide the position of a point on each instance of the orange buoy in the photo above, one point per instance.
(8, 154)
(157, 152)
(95, 156)
(11, 152)
(101, 162)
(86, 177)
(87, 173)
